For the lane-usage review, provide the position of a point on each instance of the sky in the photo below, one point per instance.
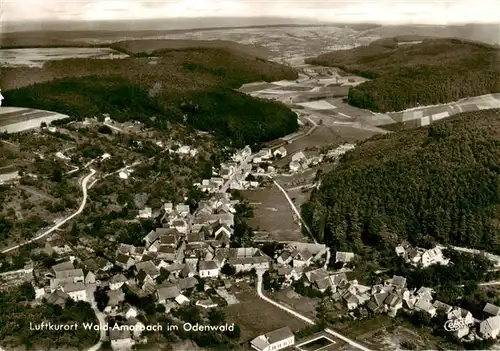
(380, 11)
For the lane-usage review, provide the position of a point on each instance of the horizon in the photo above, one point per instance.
(386, 12)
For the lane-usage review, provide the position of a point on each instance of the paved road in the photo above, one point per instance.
(304, 318)
(61, 223)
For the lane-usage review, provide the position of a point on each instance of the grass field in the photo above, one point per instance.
(272, 214)
(255, 316)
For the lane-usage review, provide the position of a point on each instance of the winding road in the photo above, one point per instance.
(64, 221)
(304, 318)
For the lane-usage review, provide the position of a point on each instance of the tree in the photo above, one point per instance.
(27, 291)
(101, 298)
(228, 270)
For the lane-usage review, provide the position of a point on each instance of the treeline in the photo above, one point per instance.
(430, 185)
(192, 86)
(435, 71)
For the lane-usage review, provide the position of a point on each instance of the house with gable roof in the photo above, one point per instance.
(275, 340)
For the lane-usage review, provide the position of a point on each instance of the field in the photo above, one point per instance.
(302, 304)
(36, 57)
(255, 316)
(386, 333)
(272, 214)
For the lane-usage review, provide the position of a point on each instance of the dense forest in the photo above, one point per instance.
(404, 76)
(190, 86)
(435, 184)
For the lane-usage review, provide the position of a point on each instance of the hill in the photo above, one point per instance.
(193, 86)
(404, 76)
(436, 184)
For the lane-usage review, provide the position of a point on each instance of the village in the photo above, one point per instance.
(190, 259)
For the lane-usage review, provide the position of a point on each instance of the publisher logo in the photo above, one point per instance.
(457, 324)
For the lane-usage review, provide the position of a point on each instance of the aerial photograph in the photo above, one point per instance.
(296, 175)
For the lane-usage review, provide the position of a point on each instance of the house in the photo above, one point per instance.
(188, 271)
(76, 291)
(344, 257)
(117, 281)
(433, 256)
(376, 304)
(168, 207)
(208, 269)
(149, 268)
(136, 325)
(58, 297)
(121, 339)
(221, 230)
(166, 292)
(63, 266)
(187, 283)
(400, 251)
(413, 255)
(441, 307)
(285, 257)
(90, 278)
(425, 306)
(116, 297)
(67, 276)
(302, 258)
(298, 157)
(280, 152)
(398, 282)
(145, 213)
(208, 303)
(131, 312)
(394, 303)
(490, 327)
(491, 309)
(294, 166)
(180, 225)
(351, 300)
(275, 340)
(124, 261)
(182, 300)
(171, 239)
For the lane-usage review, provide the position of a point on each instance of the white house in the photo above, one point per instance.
(1, 97)
(131, 312)
(433, 256)
(117, 281)
(275, 340)
(294, 166)
(76, 291)
(280, 152)
(490, 327)
(208, 269)
(145, 213)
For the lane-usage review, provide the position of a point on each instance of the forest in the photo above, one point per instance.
(404, 76)
(436, 184)
(192, 86)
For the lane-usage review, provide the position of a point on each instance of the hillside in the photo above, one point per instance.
(171, 87)
(404, 76)
(440, 183)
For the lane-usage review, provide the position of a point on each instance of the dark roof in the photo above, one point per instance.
(187, 283)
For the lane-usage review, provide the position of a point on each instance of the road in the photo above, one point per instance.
(226, 185)
(304, 318)
(61, 223)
